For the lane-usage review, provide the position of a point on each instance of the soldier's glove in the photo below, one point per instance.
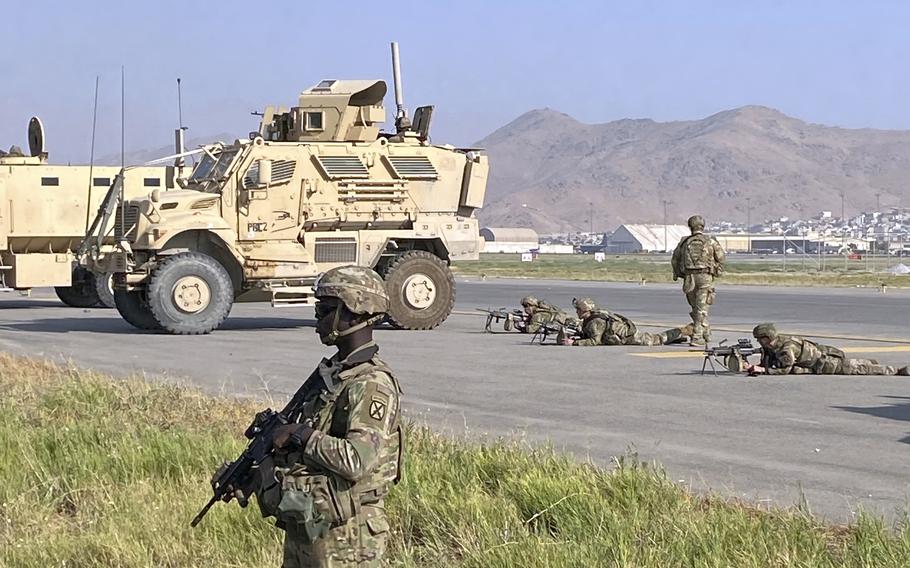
(291, 436)
(242, 494)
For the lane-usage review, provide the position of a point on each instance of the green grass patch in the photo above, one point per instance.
(97, 472)
(739, 270)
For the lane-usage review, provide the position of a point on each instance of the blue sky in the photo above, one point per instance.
(481, 63)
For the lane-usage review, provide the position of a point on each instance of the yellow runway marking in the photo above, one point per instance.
(855, 349)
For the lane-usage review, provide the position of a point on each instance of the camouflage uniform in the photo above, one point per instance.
(609, 328)
(794, 355)
(544, 313)
(698, 260)
(349, 462)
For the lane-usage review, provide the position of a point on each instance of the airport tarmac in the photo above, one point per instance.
(841, 444)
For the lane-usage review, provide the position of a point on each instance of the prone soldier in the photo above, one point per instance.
(792, 355)
(603, 327)
(698, 259)
(539, 312)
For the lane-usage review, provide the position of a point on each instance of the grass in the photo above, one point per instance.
(739, 270)
(96, 472)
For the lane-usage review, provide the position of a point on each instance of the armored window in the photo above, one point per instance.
(50, 181)
(101, 182)
(152, 182)
(314, 121)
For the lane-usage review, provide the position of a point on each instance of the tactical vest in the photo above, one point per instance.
(617, 324)
(319, 500)
(697, 254)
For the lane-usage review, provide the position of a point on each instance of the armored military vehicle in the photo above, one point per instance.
(317, 186)
(44, 213)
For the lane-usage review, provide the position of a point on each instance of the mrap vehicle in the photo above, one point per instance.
(318, 186)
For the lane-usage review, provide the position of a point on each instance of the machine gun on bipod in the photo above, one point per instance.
(569, 328)
(512, 318)
(731, 357)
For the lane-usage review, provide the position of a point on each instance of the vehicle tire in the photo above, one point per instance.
(135, 310)
(82, 293)
(104, 287)
(190, 293)
(421, 290)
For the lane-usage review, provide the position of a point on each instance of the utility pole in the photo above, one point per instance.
(749, 225)
(591, 217)
(666, 244)
(843, 218)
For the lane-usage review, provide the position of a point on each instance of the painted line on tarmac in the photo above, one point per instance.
(854, 349)
(745, 332)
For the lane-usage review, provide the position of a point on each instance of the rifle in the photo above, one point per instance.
(516, 316)
(238, 474)
(569, 328)
(731, 357)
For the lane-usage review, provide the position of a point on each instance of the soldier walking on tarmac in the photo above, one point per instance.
(698, 260)
(331, 469)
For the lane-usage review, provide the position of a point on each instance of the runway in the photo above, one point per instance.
(839, 443)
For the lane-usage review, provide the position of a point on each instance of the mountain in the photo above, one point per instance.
(553, 173)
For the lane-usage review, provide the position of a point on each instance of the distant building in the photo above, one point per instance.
(645, 238)
(508, 239)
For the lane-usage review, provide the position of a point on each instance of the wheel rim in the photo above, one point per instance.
(419, 291)
(191, 294)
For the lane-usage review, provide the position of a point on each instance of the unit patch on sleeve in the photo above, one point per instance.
(377, 409)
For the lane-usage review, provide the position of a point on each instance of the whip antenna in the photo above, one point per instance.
(91, 159)
(122, 148)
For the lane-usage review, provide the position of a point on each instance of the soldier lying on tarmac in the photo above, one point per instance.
(539, 312)
(602, 327)
(794, 355)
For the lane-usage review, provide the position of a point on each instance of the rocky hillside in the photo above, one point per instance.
(550, 172)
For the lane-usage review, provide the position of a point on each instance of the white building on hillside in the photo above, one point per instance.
(646, 238)
(508, 239)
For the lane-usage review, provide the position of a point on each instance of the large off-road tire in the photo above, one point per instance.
(82, 293)
(135, 310)
(190, 293)
(104, 287)
(421, 290)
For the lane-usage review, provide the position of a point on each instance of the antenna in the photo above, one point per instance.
(180, 133)
(402, 123)
(91, 159)
(122, 147)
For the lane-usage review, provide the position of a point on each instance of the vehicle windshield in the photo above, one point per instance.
(213, 167)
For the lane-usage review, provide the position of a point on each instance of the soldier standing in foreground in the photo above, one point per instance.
(601, 327)
(794, 355)
(332, 467)
(698, 260)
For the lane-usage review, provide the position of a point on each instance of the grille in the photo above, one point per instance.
(282, 171)
(125, 221)
(412, 167)
(343, 167)
(336, 249)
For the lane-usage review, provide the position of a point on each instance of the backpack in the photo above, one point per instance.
(697, 253)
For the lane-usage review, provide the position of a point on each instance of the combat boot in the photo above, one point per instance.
(904, 371)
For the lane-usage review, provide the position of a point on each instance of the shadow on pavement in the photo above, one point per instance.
(112, 325)
(898, 410)
(25, 303)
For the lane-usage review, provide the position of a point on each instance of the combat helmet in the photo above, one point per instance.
(530, 302)
(768, 330)
(696, 223)
(584, 304)
(361, 291)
